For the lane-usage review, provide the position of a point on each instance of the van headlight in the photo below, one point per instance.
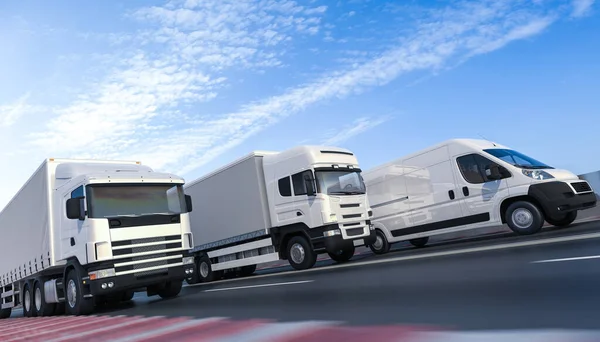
(537, 174)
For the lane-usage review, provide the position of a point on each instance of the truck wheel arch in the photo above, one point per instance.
(285, 233)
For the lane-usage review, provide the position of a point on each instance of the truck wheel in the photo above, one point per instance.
(40, 307)
(419, 242)
(381, 244)
(524, 218)
(170, 290)
(28, 310)
(75, 303)
(5, 313)
(247, 271)
(127, 296)
(300, 253)
(204, 270)
(342, 255)
(564, 221)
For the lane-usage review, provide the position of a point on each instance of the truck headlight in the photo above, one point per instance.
(99, 274)
(332, 232)
(537, 174)
(188, 260)
(332, 218)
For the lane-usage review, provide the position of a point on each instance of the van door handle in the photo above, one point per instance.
(451, 194)
(465, 191)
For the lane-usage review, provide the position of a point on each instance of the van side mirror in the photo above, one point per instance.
(188, 203)
(75, 209)
(493, 172)
(310, 186)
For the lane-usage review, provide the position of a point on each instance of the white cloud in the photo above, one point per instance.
(360, 125)
(11, 113)
(581, 7)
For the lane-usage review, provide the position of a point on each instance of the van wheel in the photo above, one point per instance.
(524, 218)
(381, 244)
(343, 255)
(419, 242)
(564, 221)
(300, 253)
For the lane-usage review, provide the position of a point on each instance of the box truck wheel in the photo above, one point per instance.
(41, 308)
(28, 310)
(300, 253)
(343, 255)
(419, 242)
(204, 272)
(171, 289)
(75, 303)
(563, 221)
(5, 313)
(381, 244)
(524, 218)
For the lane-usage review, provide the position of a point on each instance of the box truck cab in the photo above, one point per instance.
(289, 205)
(82, 232)
(470, 184)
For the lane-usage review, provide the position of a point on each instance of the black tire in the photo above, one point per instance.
(247, 271)
(381, 245)
(5, 313)
(304, 256)
(44, 309)
(343, 255)
(204, 271)
(564, 221)
(127, 296)
(419, 242)
(524, 218)
(171, 289)
(81, 306)
(27, 300)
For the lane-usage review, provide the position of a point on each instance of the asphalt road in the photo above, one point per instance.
(481, 283)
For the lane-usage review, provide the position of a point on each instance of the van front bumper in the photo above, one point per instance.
(557, 198)
(335, 243)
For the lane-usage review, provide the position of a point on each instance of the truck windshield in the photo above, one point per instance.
(340, 182)
(134, 200)
(517, 159)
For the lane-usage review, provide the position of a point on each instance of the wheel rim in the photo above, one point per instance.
(38, 298)
(27, 299)
(378, 243)
(71, 293)
(297, 253)
(204, 269)
(522, 218)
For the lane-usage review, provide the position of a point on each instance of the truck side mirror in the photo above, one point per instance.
(75, 209)
(188, 203)
(493, 172)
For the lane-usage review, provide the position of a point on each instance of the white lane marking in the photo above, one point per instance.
(168, 329)
(567, 259)
(272, 332)
(414, 257)
(259, 285)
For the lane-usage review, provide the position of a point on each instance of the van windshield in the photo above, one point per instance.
(114, 200)
(517, 159)
(340, 182)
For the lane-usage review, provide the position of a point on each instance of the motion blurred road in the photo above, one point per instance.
(496, 282)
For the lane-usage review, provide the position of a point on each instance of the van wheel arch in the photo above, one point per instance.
(507, 202)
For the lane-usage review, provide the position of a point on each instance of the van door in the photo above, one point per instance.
(478, 194)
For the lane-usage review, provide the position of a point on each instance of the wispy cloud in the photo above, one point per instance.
(357, 127)
(581, 7)
(136, 111)
(11, 113)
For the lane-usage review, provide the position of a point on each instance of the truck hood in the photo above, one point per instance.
(559, 174)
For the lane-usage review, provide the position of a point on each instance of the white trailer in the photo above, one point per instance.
(82, 232)
(268, 206)
(463, 184)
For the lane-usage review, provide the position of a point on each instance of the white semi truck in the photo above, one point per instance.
(81, 232)
(269, 206)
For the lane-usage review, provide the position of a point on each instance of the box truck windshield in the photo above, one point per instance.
(339, 182)
(113, 200)
(517, 159)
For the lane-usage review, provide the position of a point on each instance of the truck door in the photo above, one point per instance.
(291, 201)
(73, 233)
(478, 194)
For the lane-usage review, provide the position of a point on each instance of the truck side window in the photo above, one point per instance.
(285, 188)
(77, 193)
(469, 168)
(299, 183)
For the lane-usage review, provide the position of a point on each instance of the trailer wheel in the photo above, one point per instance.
(28, 310)
(381, 244)
(300, 253)
(564, 221)
(5, 313)
(419, 242)
(524, 218)
(342, 255)
(170, 290)
(75, 303)
(41, 308)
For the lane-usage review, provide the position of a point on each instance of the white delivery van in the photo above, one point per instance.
(289, 205)
(83, 232)
(465, 184)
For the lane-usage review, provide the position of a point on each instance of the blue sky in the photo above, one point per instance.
(186, 86)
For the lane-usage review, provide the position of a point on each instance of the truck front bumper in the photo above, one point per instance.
(335, 243)
(557, 198)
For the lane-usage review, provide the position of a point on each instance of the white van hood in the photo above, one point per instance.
(559, 174)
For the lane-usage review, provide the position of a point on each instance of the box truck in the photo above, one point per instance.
(83, 232)
(463, 184)
(268, 206)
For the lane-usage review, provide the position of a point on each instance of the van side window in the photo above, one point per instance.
(472, 167)
(285, 187)
(299, 184)
(77, 193)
